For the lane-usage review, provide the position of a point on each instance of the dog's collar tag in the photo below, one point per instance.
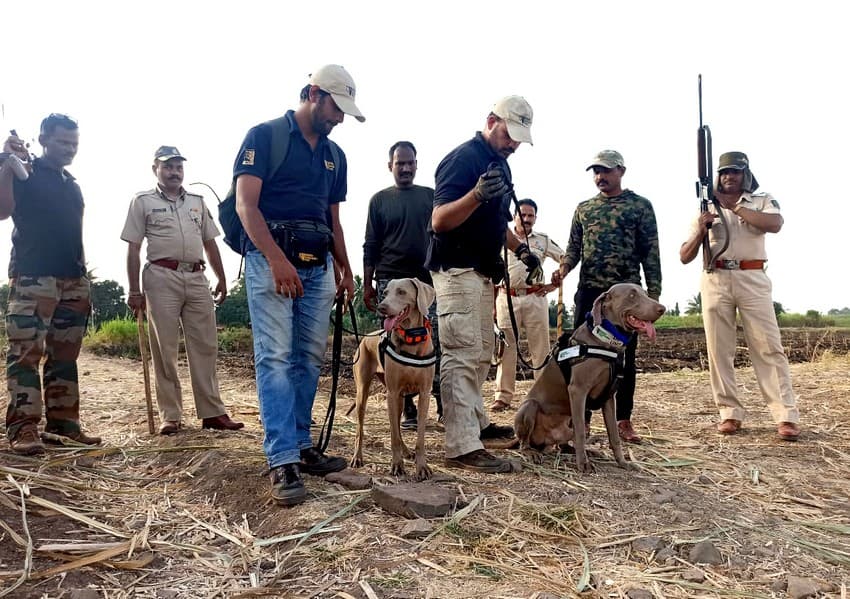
(605, 336)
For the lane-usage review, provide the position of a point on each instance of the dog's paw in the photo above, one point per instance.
(423, 472)
(627, 465)
(533, 455)
(397, 469)
(356, 462)
(584, 466)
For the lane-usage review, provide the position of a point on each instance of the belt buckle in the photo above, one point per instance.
(185, 267)
(732, 264)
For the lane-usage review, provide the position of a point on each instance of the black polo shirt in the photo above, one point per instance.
(306, 184)
(477, 242)
(47, 240)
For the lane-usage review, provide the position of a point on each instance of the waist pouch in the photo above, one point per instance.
(494, 270)
(305, 243)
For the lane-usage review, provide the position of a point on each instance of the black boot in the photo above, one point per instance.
(409, 421)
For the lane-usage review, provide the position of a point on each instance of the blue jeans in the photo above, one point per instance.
(290, 339)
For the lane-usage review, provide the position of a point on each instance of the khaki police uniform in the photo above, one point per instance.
(531, 312)
(728, 287)
(177, 293)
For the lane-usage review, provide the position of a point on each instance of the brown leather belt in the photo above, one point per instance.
(526, 291)
(740, 264)
(177, 265)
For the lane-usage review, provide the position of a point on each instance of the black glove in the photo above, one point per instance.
(532, 263)
(491, 186)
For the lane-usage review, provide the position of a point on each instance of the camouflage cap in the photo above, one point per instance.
(607, 159)
(166, 153)
(735, 160)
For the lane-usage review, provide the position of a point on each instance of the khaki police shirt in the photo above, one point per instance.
(745, 241)
(175, 230)
(541, 246)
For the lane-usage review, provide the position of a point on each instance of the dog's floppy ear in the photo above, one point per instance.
(425, 296)
(597, 308)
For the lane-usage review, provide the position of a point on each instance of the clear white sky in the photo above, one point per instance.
(617, 74)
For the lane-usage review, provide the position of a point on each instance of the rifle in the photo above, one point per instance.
(705, 188)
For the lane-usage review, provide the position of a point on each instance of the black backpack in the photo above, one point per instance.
(231, 225)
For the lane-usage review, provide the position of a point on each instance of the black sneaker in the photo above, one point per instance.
(494, 431)
(287, 485)
(317, 463)
(482, 461)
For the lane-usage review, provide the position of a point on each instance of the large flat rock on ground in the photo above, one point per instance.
(411, 500)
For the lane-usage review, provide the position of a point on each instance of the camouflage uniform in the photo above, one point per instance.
(614, 237)
(49, 303)
(46, 318)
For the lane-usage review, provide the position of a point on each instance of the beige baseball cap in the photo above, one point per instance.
(335, 80)
(608, 159)
(517, 113)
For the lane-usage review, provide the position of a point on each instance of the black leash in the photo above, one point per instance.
(336, 355)
(514, 326)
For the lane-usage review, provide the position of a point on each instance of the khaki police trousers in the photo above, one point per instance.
(750, 292)
(532, 316)
(176, 299)
(465, 310)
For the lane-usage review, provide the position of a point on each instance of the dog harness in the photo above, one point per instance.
(410, 336)
(569, 354)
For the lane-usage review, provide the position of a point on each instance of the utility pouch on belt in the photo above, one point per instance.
(306, 243)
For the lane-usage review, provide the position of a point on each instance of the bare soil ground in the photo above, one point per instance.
(190, 516)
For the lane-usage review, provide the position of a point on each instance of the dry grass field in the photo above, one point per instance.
(190, 517)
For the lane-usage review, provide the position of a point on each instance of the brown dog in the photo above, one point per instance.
(404, 307)
(545, 417)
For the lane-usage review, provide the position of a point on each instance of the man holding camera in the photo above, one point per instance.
(469, 227)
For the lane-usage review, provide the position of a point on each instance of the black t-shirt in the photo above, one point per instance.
(47, 240)
(477, 242)
(397, 232)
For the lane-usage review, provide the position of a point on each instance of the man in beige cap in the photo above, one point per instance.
(614, 235)
(176, 293)
(469, 227)
(294, 242)
(736, 280)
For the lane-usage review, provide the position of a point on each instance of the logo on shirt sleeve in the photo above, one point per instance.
(329, 165)
(248, 158)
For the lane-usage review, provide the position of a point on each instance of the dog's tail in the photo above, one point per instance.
(524, 421)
